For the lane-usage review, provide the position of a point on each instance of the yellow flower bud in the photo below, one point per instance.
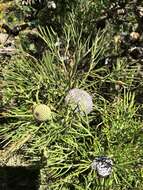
(42, 112)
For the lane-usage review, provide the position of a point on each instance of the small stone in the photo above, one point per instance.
(103, 166)
(42, 112)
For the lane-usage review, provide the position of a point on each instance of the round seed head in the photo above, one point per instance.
(103, 166)
(135, 36)
(42, 112)
(80, 101)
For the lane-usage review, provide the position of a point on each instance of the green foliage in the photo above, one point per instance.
(69, 142)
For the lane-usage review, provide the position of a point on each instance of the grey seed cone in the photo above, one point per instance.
(80, 100)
